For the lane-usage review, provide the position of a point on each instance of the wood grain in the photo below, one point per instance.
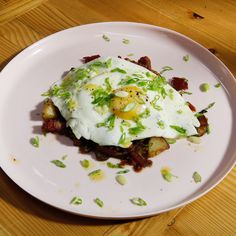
(211, 23)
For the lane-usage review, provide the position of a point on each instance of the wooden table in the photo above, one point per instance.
(211, 23)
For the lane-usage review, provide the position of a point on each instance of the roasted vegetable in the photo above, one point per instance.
(49, 110)
(157, 145)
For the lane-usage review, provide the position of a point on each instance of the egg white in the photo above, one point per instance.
(83, 119)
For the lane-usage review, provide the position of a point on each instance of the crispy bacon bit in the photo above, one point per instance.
(90, 58)
(202, 129)
(179, 83)
(192, 107)
(145, 62)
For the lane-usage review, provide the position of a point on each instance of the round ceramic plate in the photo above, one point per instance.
(32, 72)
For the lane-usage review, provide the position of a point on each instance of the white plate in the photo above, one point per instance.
(31, 73)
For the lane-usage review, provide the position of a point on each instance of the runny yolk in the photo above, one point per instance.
(128, 107)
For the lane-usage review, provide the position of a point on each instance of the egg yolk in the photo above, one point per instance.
(130, 104)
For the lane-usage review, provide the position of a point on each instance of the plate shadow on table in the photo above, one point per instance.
(14, 195)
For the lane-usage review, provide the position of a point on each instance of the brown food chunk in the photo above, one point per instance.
(90, 58)
(179, 83)
(202, 129)
(156, 145)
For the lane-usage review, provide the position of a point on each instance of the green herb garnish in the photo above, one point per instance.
(35, 141)
(108, 85)
(186, 58)
(121, 179)
(185, 92)
(161, 124)
(138, 201)
(85, 163)
(64, 157)
(108, 123)
(200, 113)
(167, 175)
(76, 201)
(204, 87)
(99, 202)
(139, 128)
(122, 172)
(125, 41)
(179, 129)
(119, 70)
(218, 85)
(197, 177)
(101, 97)
(154, 105)
(106, 38)
(114, 166)
(165, 68)
(58, 163)
(145, 114)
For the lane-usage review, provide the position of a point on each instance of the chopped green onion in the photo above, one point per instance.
(124, 141)
(179, 111)
(179, 129)
(137, 75)
(171, 94)
(165, 68)
(129, 107)
(58, 163)
(145, 114)
(185, 92)
(114, 166)
(194, 139)
(200, 113)
(139, 128)
(85, 163)
(108, 123)
(35, 141)
(106, 38)
(96, 174)
(121, 94)
(161, 124)
(119, 70)
(197, 177)
(108, 85)
(121, 179)
(108, 63)
(138, 201)
(101, 97)
(204, 87)
(167, 175)
(130, 55)
(64, 157)
(122, 172)
(148, 74)
(218, 85)
(125, 123)
(125, 41)
(76, 201)
(170, 140)
(186, 58)
(71, 105)
(99, 202)
(154, 105)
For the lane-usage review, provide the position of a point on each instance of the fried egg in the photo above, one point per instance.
(112, 101)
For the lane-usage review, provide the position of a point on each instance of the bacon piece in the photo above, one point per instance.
(179, 83)
(192, 107)
(145, 62)
(90, 58)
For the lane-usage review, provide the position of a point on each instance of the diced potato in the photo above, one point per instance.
(49, 110)
(157, 145)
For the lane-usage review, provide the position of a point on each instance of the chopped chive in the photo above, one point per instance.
(145, 114)
(138, 201)
(204, 87)
(218, 85)
(121, 179)
(96, 175)
(139, 128)
(58, 163)
(108, 123)
(197, 177)
(106, 38)
(108, 85)
(122, 172)
(179, 129)
(130, 55)
(179, 111)
(99, 202)
(121, 94)
(170, 140)
(165, 68)
(167, 175)
(194, 139)
(185, 92)
(64, 157)
(125, 41)
(111, 165)
(35, 141)
(119, 70)
(85, 163)
(76, 201)
(161, 124)
(186, 58)
(129, 107)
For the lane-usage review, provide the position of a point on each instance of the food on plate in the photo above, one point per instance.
(120, 108)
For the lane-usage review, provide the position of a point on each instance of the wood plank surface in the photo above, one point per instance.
(211, 23)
